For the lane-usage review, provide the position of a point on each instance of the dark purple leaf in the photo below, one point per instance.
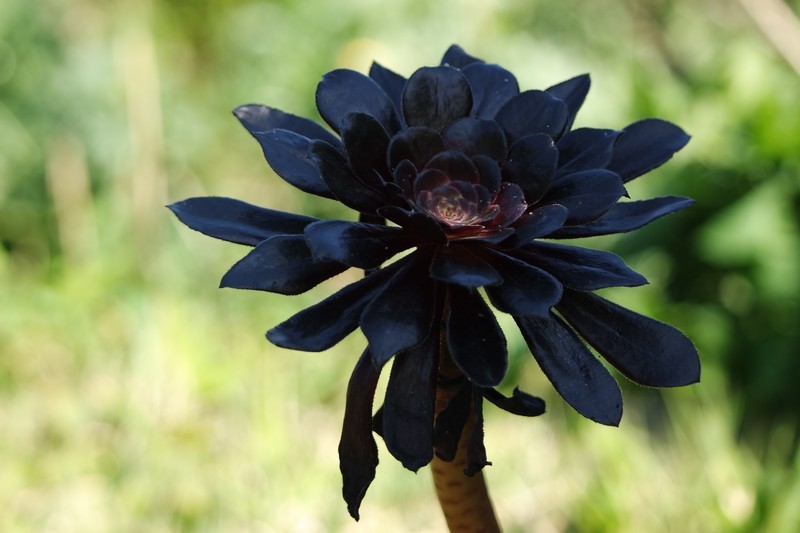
(236, 221)
(520, 403)
(476, 451)
(625, 217)
(585, 149)
(511, 201)
(417, 145)
(539, 223)
(368, 218)
(581, 268)
(435, 97)
(325, 324)
(455, 56)
(492, 86)
(377, 421)
(366, 142)
(358, 453)
(401, 315)
(259, 118)
(288, 155)
(422, 226)
(473, 136)
(391, 83)
(587, 194)
(404, 176)
(344, 91)
(573, 92)
(532, 112)
(474, 338)
(646, 351)
(429, 180)
(457, 265)
(456, 166)
(489, 171)
(645, 145)
(281, 264)
(531, 163)
(575, 373)
(450, 423)
(354, 243)
(343, 183)
(493, 236)
(409, 402)
(526, 290)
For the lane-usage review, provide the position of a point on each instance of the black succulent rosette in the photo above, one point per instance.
(477, 179)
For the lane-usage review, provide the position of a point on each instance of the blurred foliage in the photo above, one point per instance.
(136, 397)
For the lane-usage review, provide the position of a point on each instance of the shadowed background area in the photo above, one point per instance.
(138, 397)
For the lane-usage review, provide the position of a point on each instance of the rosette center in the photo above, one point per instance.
(457, 205)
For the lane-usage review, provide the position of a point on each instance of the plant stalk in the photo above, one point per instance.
(464, 499)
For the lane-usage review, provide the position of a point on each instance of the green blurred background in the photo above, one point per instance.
(135, 396)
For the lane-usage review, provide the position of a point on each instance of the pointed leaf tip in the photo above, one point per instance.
(579, 377)
(643, 349)
(358, 452)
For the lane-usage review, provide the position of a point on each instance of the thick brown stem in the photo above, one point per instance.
(464, 499)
